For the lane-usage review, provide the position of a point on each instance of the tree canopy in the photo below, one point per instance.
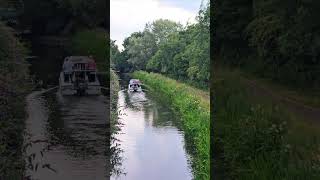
(56, 16)
(167, 47)
(278, 39)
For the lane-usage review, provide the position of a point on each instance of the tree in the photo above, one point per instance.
(162, 29)
(169, 48)
(277, 39)
(54, 16)
(140, 49)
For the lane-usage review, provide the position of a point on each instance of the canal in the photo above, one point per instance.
(151, 139)
(67, 136)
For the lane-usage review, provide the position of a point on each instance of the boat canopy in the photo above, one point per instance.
(80, 63)
(134, 81)
(79, 59)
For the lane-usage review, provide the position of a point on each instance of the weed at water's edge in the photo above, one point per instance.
(114, 151)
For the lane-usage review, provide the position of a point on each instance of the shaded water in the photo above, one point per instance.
(72, 131)
(68, 134)
(152, 142)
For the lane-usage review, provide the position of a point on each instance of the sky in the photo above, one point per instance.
(128, 16)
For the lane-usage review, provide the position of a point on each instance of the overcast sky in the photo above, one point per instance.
(128, 16)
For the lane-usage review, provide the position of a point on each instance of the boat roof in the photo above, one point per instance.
(79, 59)
(134, 81)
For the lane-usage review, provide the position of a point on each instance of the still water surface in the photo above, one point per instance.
(73, 135)
(152, 142)
(71, 132)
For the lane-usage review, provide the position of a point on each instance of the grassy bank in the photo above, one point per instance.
(194, 107)
(14, 86)
(114, 89)
(254, 138)
(115, 151)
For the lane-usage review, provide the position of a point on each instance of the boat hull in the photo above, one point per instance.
(69, 91)
(93, 91)
(135, 90)
(68, 88)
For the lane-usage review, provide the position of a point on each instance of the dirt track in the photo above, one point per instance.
(298, 109)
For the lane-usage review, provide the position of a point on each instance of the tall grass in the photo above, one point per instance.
(194, 107)
(255, 139)
(114, 150)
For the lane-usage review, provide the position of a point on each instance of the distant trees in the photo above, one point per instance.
(169, 48)
(141, 47)
(279, 39)
(55, 16)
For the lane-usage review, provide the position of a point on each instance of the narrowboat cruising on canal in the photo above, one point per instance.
(79, 76)
(134, 85)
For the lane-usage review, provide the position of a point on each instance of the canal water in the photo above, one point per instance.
(151, 139)
(67, 135)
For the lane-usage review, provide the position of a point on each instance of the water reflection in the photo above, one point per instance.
(151, 140)
(74, 134)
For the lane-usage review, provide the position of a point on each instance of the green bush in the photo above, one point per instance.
(14, 85)
(280, 34)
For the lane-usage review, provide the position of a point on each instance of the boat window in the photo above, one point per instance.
(66, 77)
(91, 77)
(79, 66)
(80, 76)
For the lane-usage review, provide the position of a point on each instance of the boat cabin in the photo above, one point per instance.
(79, 75)
(135, 85)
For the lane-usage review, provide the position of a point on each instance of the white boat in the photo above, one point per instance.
(134, 85)
(82, 80)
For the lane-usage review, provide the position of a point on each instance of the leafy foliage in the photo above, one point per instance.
(57, 16)
(141, 49)
(14, 85)
(277, 39)
(169, 48)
